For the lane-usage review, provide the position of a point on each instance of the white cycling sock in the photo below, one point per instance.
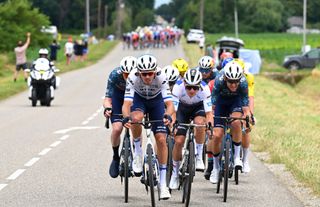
(175, 168)
(237, 151)
(216, 164)
(137, 146)
(163, 174)
(245, 154)
(199, 151)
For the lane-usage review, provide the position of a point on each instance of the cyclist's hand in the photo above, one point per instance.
(107, 112)
(253, 120)
(210, 130)
(167, 119)
(126, 122)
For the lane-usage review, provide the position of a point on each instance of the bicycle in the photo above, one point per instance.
(187, 167)
(170, 144)
(226, 156)
(126, 158)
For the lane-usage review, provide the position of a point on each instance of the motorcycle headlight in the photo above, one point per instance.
(285, 59)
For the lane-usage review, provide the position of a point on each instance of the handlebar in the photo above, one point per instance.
(231, 119)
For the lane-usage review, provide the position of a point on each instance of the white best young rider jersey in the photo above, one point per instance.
(180, 95)
(158, 85)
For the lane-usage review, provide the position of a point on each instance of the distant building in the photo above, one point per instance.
(296, 26)
(295, 21)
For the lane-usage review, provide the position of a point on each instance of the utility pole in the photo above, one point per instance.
(119, 19)
(304, 25)
(201, 13)
(236, 19)
(105, 19)
(99, 19)
(87, 16)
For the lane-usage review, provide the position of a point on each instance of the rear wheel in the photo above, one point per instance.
(126, 168)
(48, 97)
(150, 174)
(226, 171)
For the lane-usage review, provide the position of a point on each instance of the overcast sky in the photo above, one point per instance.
(159, 2)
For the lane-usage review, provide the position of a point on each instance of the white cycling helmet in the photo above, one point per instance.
(171, 72)
(43, 51)
(127, 64)
(147, 63)
(206, 62)
(233, 71)
(193, 77)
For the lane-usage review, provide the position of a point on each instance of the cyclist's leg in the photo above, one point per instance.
(200, 136)
(236, 131)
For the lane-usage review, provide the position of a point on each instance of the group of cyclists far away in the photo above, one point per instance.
(177, 95)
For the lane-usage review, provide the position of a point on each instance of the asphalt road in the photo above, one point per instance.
(60, 155)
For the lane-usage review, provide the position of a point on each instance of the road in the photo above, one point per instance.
(60, 155)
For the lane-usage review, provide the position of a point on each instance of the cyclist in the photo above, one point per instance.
(172, 74)
(148, 91)
(192, 101)
(229, 97)
(182, 66)
(206, 67)
(246, 136)
(113, 102)
(223, 56)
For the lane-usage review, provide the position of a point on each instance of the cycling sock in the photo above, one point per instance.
(199, 151)
(175, 168)
(137, 146)
(116, 153)
(210, 164)
(237, 147)
(245, 154)
(163, 174)
(216, 161)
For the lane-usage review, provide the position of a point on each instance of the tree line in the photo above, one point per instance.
(253, 15)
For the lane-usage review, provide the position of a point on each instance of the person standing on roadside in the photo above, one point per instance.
(21, 59)
(68, 50)
(54, 47)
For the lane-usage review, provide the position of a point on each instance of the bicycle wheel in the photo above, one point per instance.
(190, 169)
(126, 168)
(150, 174)
(169, 162)
(226, 171)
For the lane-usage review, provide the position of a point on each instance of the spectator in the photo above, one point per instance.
(78, 50)
(201, 44)
(54, 47)
(85, 49)
(21, 59)
(68, 50)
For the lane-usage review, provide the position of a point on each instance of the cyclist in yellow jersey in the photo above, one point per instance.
(246, 136)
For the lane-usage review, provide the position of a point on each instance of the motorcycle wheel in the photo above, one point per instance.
(34, 97)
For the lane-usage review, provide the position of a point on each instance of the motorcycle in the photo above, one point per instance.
(42, 82)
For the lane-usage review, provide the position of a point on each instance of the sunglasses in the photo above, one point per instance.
(233, 81)
(205, 71)
(195, 88)
(147, 74)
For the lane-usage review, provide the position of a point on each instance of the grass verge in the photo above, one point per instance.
(287, 122)
(9, 88)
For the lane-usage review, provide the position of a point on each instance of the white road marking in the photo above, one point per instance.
(85, 122)
(45, 151)
(64, 131)
(90, 118)
(64, 137)
(32, 161)
(2, 186)
(55, 144)
(16, 174)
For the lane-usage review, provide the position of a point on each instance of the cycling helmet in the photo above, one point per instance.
(240, 62)
(181, 65)
(147, 63)
(171, 72)
(206, 62)
(43, 51)
(127, 64)
(192, 77)
(226, 55)
(233, 71)
(226, 61)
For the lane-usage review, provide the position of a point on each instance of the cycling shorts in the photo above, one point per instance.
(225, 108)
(117, 102)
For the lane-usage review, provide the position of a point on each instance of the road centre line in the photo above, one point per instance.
(64, 137)
(2, 186)
(32, 161)
(16, 174)
(55, 144)
(85, 122)
(45, 151)
(64, 131)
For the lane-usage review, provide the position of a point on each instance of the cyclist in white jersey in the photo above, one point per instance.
(147, 91)
(192, 101)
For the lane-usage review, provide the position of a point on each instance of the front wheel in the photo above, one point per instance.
(189, 180)
(150, 174)
(169, 162)
(226, 171)
(126, 168)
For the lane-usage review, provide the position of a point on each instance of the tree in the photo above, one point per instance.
(18, 17)
(144, 17)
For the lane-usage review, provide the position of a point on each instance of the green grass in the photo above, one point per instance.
(288, 119)
(9, 88)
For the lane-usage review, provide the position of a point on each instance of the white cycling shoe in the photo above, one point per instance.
(246, 167)
(199, 165)
(238, 163)
(164, 193)
(174, 182)
(137, 164)
(214, 177)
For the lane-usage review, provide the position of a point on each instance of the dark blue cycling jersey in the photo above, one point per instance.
(213, 74)
(115, 81)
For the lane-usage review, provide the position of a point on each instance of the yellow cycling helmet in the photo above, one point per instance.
(181, 64)
(240, 62)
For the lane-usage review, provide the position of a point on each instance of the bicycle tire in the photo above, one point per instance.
(126, 168)
(226, 171)
(150, 174)
(169, 162)
(191, 169)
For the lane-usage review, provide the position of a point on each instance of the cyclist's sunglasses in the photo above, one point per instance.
(233, 81)
(144, 74)
(202, 70)
(195, 88)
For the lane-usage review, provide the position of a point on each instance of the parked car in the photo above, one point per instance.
(307, 60)
(194, 35)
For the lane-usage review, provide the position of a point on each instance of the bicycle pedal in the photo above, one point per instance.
(137, 174)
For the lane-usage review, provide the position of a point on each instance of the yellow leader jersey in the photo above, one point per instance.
(250, 79)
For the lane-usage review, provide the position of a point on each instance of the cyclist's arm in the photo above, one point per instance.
(251, 92)
(128, 97)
